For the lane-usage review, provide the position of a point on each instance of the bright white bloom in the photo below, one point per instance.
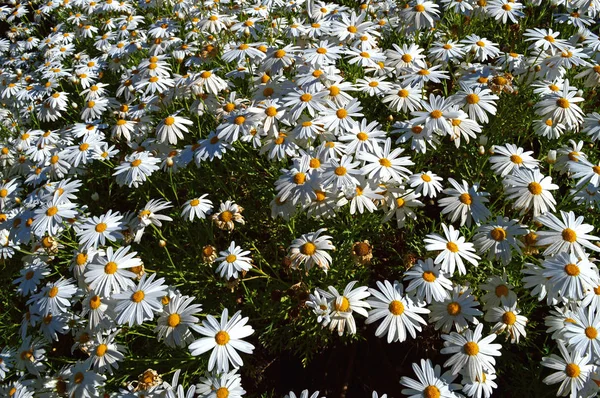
(139, 303)
(428, 280)
(569, 235)
(453, 249)
(232, 261)
(466, 202)
(399, 312)
(507, 318)
(344, 305)
(573, 371)
(431, 383)
(470, 351)
(224, 339)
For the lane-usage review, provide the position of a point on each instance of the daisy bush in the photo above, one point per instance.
(299, 198)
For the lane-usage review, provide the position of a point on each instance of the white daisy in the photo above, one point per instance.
(310, 249)
(465, 202)
(343, 305)
(96, 230)
(400, 313)
(569, 235)
(232, 261)
(224, 339)
(176, 320)
(573, 371)
(431, 383)
(139, 304)
(198, 207)
(453, 248)
(471, 352)
(108, 274)
(457, 310)
(531, 190)
(428, 280)
(507, 318)
(570, 276)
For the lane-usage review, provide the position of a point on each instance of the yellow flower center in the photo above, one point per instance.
(400, 202)
(498, 234)
(136, 163)
(308, 249)
(169, 121)
(436, 114)
(572, 269)
(101, 227)
(425, 177)
(271, 111)
(299, 178)
(471, 348)
(403, 93)
(314, 163)
(385, 162)
(472, 99)
(53, 292)
(222, 392)
(95, 302)
(501, 290)
(305, 97)
(334, 90)
(239, 120)
(343, 306)
(231, 258)
(78, 378)
(407, 58)
(340, 171)
(341, 113)
(453, 247)
(352, 29)
(569, 235)
(322, 50)
(222, 337)
(453, 308)
(279, 54)
(396, 307)
(137, 296)
(480, 43)
(429, 276)
(465, 199)
(506, 7)
(572, 370)
(535, 188)
(509, 318)
(101, 350)
(373, 83)
(110, 267)
(173, 320)
(419, 8)
(226, 216)
(431, 391)
(563, 103)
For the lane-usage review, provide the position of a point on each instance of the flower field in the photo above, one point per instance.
(300, 199)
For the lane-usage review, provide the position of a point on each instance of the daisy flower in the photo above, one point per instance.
(531, 189)
(569, 275)
(224, 339)
(453, 248)
(503, 10)
(429, 282)
(562, 107)
(229, 212)
(457, 310)
(48, 218)
(471, 352)
(363, 137)
(136, 168)
(303, 394)
(422, 14)
(96, 230)
(310, 249)
(320, 306)
(573, 371)
(385, 164)
(399, 313)
(585, 172)
(176, 320)
(496, 289)
(139, 303)
(344, 305)
(465, 202)
(198, 207)
(95, 309)
(341, 174)
(105, 353)
(426, 183)
(233, 260)
(481, 47)
(498, 239)
(54, 298)
(403, 99)
(508, 157)
(84, 383)
(339, 118)
(218, 385)
(569, 235)
(583, 336)
(172, 128)
(435, 115)
(108, 274)
(431, 383)
(507, 318)
(476, 101)
(481, 386)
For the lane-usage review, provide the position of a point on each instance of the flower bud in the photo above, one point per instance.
(481, 150)
(95, 197)
(483, 140)
(551, 158)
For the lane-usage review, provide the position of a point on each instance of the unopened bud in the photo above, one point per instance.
(551, 158)
(481, 150)
(74, 105)
(162, 243)
(95, 197)
(483, 140)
